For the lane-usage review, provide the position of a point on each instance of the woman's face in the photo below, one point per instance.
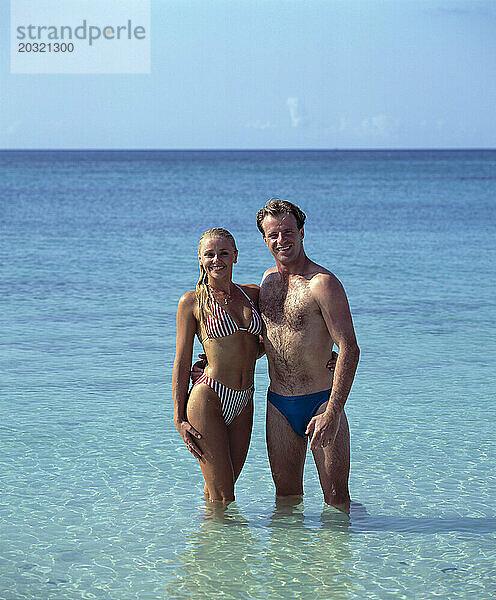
(217, 255)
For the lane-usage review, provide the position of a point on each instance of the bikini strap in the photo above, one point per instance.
(243, 292)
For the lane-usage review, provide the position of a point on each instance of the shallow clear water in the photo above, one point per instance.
(99, 497)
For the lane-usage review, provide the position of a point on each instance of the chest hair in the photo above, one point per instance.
(284, 303)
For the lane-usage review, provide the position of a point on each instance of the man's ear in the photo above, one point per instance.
(236, 256)
(302, 232)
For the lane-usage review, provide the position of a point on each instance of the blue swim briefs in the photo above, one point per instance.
(298, 410)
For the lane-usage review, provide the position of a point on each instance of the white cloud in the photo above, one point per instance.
(379, 125)
(294, 112)
(475, 8)
(260, 125)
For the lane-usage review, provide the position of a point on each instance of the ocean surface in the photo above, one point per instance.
(100, 499)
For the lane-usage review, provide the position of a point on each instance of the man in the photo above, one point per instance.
(305, 312)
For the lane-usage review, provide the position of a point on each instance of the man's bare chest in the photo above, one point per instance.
(288, 305)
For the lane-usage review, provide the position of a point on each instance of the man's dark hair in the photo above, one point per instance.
(275, 207)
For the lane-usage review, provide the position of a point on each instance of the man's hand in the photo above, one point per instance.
(331, 363)
(198, 368)
(323, 429)
(188, 432)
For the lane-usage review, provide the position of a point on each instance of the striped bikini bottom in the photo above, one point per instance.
(232, 401)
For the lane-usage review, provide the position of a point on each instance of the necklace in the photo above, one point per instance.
(225, 297)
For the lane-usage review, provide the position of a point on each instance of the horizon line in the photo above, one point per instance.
(371, 149)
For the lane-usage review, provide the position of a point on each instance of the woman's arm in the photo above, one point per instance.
(186, 329)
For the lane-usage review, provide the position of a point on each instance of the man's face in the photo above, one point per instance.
(282, 236)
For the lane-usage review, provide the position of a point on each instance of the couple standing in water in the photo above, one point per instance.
(296, 316)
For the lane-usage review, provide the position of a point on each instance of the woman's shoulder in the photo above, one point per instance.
(188, 300)
(188, 305)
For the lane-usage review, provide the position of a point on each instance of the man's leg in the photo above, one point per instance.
(287, 451)
(333, 465)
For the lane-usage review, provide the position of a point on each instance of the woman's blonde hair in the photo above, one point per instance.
(203, 293)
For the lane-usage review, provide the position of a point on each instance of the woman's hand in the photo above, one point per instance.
(331, 363)
(261, 347)
(188, 433)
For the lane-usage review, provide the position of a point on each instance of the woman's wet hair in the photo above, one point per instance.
(203, 293)
(276, 207)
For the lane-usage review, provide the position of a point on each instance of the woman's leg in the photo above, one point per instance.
(239, 432)
(203, 411)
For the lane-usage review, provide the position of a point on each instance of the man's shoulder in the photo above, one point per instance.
(267, 273)
(323, 281)
(326, 289)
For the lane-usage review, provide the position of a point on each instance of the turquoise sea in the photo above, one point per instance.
(99, 497)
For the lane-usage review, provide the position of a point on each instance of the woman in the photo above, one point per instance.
(215, 419)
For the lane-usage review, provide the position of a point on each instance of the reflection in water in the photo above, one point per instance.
(394, 524)
(284, 555)
(307, 558)
(220, 560)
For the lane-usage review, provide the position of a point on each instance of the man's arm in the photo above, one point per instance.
(331, 298)
(268, 272)
(198, 368)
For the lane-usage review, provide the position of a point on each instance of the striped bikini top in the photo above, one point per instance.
(221, 324)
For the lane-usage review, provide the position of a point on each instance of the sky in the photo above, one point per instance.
(238, 74)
